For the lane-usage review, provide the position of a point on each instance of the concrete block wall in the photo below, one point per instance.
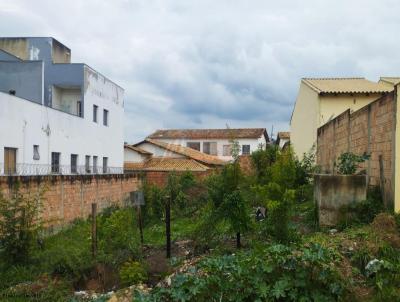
(369, 130)
(70, 197)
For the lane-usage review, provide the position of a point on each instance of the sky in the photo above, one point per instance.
(213, 63)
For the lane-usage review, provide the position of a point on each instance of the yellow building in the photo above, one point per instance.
(321, 99)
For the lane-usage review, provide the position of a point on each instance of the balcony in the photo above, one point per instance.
(36, 169)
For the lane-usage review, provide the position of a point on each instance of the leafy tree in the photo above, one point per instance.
(262, 159)
(20, 223)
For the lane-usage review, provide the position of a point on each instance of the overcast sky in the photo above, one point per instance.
(208, 63)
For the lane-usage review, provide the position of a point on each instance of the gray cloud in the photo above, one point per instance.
(208, 63)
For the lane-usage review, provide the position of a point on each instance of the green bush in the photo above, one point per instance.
(132, 272)
(118, 236)
(349, 162)
(19, 224)
(273, 273)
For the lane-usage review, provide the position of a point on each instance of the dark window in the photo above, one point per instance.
(55, 162)
(95, 164)
(10, 160)
(210, 148)
(87, 163)
(105, 164)
(95, 107)
(105, 117)
(245, 149)
(227, 150)
(193, 145)
(74, 163)
(36, 155)
(79, 108)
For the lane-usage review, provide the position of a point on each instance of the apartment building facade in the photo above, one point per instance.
(57, 116)
(216, 142)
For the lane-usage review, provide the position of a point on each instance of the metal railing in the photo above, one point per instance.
(39, 169)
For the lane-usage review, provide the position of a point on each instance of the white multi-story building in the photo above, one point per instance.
(55, 116)
(217, 142)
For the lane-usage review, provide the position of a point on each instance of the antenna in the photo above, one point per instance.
(272, 132)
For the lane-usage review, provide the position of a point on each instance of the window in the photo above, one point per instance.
(95, 164)
(105, 164)
(74, 163)
(36, 155)
(193, 145)
(245, 149)
(105, 117)
(210, 148)
(55, 162)
(95, 107)
(10, 160)
(227, 150)
(79, 108)
(87, 163)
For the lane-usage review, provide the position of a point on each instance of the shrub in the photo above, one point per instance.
(278, 214)
(349, 162)
(19, 224)
(118, 236)
(273, 273)
(132, 272)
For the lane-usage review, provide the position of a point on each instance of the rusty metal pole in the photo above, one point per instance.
(168, 224)
(94, 230)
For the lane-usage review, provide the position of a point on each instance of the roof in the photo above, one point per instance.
(283, 135)
(390, 80)
(346, 85)
(210, 133)
(137, 149)
(185, 151)
(167, 164)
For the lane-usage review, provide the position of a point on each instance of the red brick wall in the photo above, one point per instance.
(69, 197)
(245, 164)
(369, 130)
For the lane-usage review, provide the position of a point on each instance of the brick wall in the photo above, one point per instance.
(369, 130)
(67, 197)
(245, 164)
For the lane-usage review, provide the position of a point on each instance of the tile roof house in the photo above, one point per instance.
(282, 139)
(215, 142)
(319, 100)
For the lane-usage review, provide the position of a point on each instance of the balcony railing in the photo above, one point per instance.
(36, 169)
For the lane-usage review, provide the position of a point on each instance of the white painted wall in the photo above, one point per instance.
(24, 124)
(254, 144)
(282, 142)
(133, 156)
(158, 151)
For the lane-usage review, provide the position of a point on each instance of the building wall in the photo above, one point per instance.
(24, 124)
(369, 130)
(70, 197)
(254, 144)
(304, 121)
(312, 111)
(25, 78)
(158, 151)
(333, 105)
(133, 156)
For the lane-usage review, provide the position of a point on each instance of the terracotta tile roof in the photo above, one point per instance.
(209, 133)
(133, 166)
(188, 152)
(346, 85)
(283, 135)
(137, 149)
(174, 164)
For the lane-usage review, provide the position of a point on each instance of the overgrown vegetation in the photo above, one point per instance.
(283, 255)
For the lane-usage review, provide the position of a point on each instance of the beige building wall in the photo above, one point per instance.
(304, 122)
(333, 105)
(313, 110)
